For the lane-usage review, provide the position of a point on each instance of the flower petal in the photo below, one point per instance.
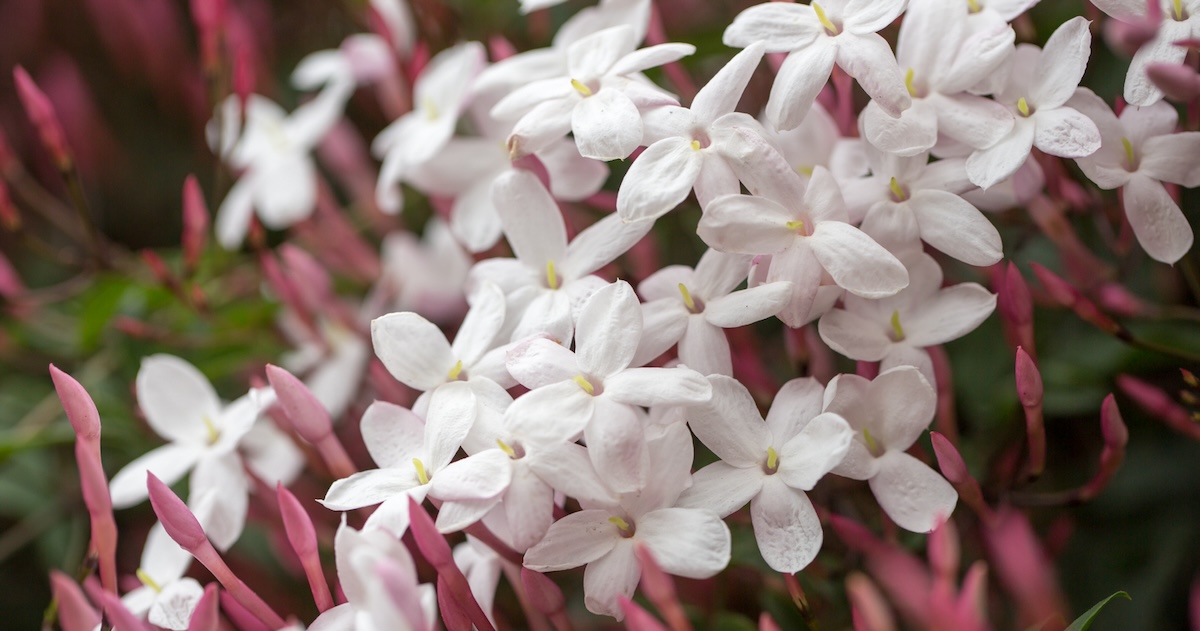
(952, 225)
(991, 166)
(576, 539)
(608, 578)
(729, 424)
(168, 463)
(532, 221)
(607, 125)
(608, 330)
(1065, 133)
(748, 305)
(1160, 227)
(484, 475)
(659, 179)
(914, 496)
(703, 348)
(413, 349)
(176, 399)
(367, 488)
(786, 527)
(657, 386)
(722, 488)
(856, 262)
(688, 542)
(1061, 66)
(950, 314)
(799, 80)
(617, 446)
(815, 451)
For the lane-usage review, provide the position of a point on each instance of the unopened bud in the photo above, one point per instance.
(41, 113)
(1071, 298)
(9, 217)
(1159, 404)
(1179, 82)
(1029, 380)
(179, 522)
(75, 613)
(206, 616)
(80, 408)
(943, 550)
(195, 223)
(243, 76)
(637, 618)
(307, 415)
(118, 615)
(543, 593)
(869, 608)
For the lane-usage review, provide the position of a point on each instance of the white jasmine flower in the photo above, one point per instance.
(166, 596)
(1181, 21)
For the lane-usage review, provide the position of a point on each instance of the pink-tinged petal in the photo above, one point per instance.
(529, 507)
(339, 618)
(914, 496)
(914, 131)
(721, 94)
(456, 515)
(651, 57)
(815, 451)
(1164, 158)
(856, 262)
(659, 179)
(664, 284)
(781, 27)
(233, 216)
(722, 488)
(853, 335)
(218, 494)
(742, 224)
(576, 539)
(545, 124)
(1139, 89)
(413, 349)
(601, 243)
(572, 176)
(473, 218)
(703, 348)
(716, 179)
(617, 447)
(1160, 227)
(796, 403)
(367, 488)
(173, 607)
(869, 16)
(176, 399)
(550, 314)
(1065, 133)
(798, 82)
(393, 514)
(484, 475)
(729, 424)
(979, 57)
(452, 410)
(569, 469)
(594, 55)
(657, 386)
(1061, 66)
(995, 164)
(950, 314)
(483, 321)
(688, 542)
(393, 434)
(532, 221)
(607, 125)
(608, 330)
(610, 577)
(748, 305)
(540, 362)
(552, 414)
(717, 274)
(869, 59)
(898, 426)
(786, 526)
(663, 324)
(972, 120)
(528, 95)
(951, 224)
(169, 463)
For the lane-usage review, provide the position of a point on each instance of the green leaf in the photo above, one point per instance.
(1083, 622)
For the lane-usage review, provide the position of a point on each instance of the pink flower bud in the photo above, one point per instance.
(307, 415)
(943, 550)
(207, 616)
(10, 219)
(178, 521)
(1071, 298)
(239, 615)
(454, 615)
(1016, 305)
(195, 222)
(41, 114)
(1112, 426)
(500, 48)
(303, 538)
(434, 548)
(118, 615)
(243, 75)
(1159, 404)
(308, 277)
(952, 466)
(75, 613)
(1177, 81)
(80, 408)
(10, 282)
(871, 611)
(1021, 565)
(659, 588)
(636, 618)
(767, 623)
(543, 593)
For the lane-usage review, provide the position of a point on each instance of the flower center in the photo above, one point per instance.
(456, 373)
(973, 6)
(213, 433)
(553, 280)
(772, 463)
(1023, 107)
(908, 83)
(694, 303)
(581, 88)
(1130, 155)
(431, 109)
(1177, 5)
(422, 475)
(147, 581)
(873, 446)
(626, 528)
(830, 28)
(898, 192)
(514, 451)
(590, 387)
(797, 226)
(897, 333)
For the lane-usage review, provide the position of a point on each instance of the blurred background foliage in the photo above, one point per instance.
(137, 130)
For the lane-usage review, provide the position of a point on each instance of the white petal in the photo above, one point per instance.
(786, 527)
(854, 335)
(869, 59)
(173, 607)
(1160, 227)
(218, 496)
(781, 27)
(393, 434)
(529, 506)
(607, 126)
(730, 425)
(601, 243)
(176, 399)
(950, 314)
(413, 349)
(913, 132)
(233, 216)
(952, 225)
(722, 488)
(869, 16)
(609, 577)
(717, 274)
(532, 221)
(617, 447)
(168, 463)
(657, 386)
(748, 305)
(703, 348)
(163, 559)
(1161, 158)
(392, 515)
(721, 94)
(990, 166)
(367, 488)
(1065, 133)
(594, 55)
(914, 496)
(659, 179)
(687, 542)
(746, 225)
(540, 362)
(651, 57)
(663, 323)
(484, 475)
(898, 426)
(973, 120)
(544, 125)
(473, 218)
(815, 451)
(576, 539)
(452, 411)
(608, 330)
(798, 82)
(856, 262)
(569, 470)
(572, 176)
(1062, 63)
(550, 415)
(481, 324)
(1139, 89)
(796, 403)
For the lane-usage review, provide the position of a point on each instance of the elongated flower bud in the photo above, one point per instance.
(434, 548)
(195, 223)
(870, 610)
(75, 613)
(117, 614)
(660, 589)
(952, 466)
(1159, 405)
(637, 618)
(41, 113)
(303, 538)
(1030, 391)
(207, 616)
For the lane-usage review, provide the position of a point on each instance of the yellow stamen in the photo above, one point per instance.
(1178, 9)
(772, 459)
(805, 169)
(872, 446)
(1128, 151)
(506, 449)
(579, 87)
(1023, 107)
(973, 6)
(695, 145)
(687, 297)
(908, 82)
(585, 384)
(147, 581)
(897, 330)
(420, 467)
(551, 277)
(431, 109)
(796, 225)
(619, 523)
(897, 190)
(455, 372)
(213, 434)
(829, 26)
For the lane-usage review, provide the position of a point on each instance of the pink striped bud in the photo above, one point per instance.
(207, 615)
(41, 113)
(195, 222)
(1015, 302)
(543, 593)
(179, 522)
(75, 613)
(637, 618)
(307, 415)
(767, 623)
